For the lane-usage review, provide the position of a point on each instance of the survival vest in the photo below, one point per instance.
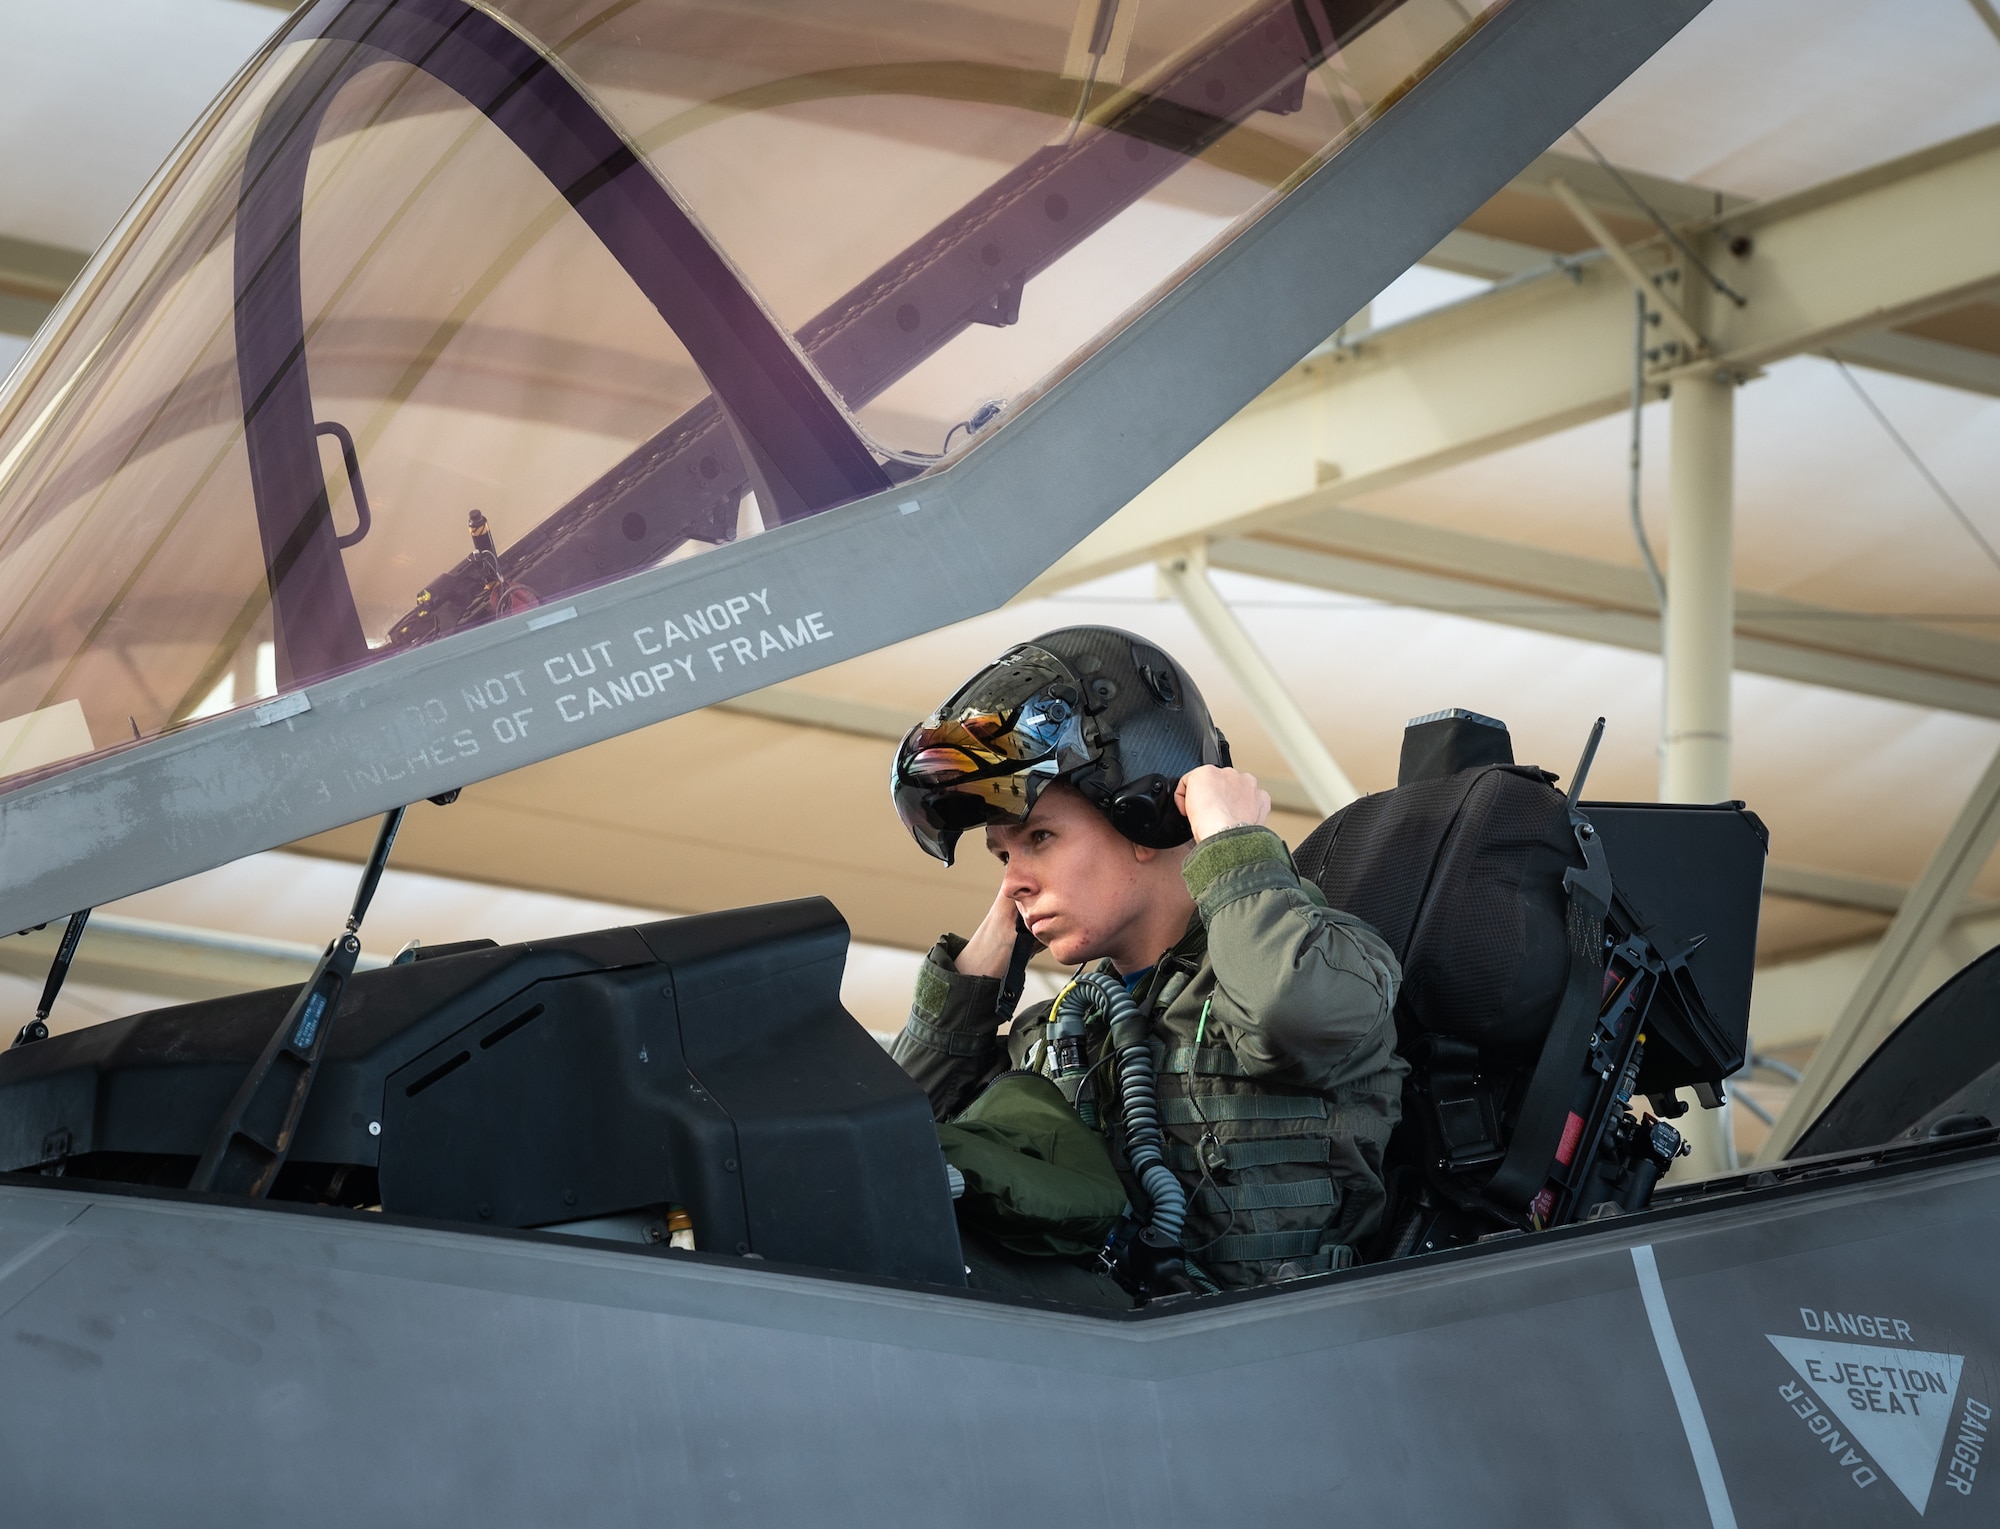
(1282, 1181)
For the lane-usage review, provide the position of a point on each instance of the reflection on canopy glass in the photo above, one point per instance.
(451, 309)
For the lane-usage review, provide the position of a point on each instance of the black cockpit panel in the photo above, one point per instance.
(704, 1063)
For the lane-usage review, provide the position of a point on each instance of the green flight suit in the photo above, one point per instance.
(1275, 1049)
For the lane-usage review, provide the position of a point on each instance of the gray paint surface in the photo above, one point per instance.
(176, 1363)
(875, 572)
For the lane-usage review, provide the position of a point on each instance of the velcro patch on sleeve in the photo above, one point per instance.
(1232, 850)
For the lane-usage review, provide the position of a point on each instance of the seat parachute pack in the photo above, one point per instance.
(1538, 997)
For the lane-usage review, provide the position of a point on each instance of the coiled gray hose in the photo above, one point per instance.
(1100, 996)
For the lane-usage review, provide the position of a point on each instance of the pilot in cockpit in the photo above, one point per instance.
(1226, 1042)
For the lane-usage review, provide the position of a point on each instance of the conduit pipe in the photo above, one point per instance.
(1326, 784)
(1872, 1009)
(1700, 636)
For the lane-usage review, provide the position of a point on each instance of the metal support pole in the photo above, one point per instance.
(1701, 597)
(1699, 621)
(1699, 648)
(1325, 782)
(1925, 916)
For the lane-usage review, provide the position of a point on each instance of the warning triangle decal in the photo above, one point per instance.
(1895, 1401)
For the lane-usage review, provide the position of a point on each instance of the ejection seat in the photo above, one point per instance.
(1561, 959)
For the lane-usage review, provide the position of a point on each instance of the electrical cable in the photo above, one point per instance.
(1938, 488)
(1082, 104)
(1638, 406)
(1661, 223)
(1099, 45)
(982, 416)
(1633, 506)
(1758, 1061)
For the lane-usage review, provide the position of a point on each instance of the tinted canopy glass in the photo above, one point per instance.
(449, 310)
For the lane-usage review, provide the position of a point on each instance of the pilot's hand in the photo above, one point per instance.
(987, 953)
(1212, 799)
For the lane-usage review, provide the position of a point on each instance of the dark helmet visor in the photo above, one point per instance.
(986, 754)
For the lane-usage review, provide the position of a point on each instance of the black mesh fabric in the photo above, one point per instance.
(1463, 877)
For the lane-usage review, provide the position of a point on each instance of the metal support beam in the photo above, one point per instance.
(171, 960)
(1468, 254)
(1610, 194)
(1701, 614)
(1547, 351)
(1619, 256)
(1277, 712)
(1927, 913)
(1430, 568)
(833, 714)
(32, 277)
(1909, 355)
(1863, 894)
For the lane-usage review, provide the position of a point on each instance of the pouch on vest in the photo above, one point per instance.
(1037, 1179)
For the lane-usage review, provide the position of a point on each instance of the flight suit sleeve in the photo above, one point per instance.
(950, 1044)
(1301, 991)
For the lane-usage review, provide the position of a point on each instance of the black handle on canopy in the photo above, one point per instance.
(799, 448)
(362, 518)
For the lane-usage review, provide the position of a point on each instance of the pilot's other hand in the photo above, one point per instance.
(1213, 798)
(991, 946)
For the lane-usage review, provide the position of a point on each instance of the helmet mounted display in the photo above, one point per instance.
(1103, 710)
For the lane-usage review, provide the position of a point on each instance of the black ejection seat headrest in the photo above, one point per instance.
(1445, 742)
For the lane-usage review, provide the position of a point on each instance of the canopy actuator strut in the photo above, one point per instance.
(37, 1029)
(254, 1137)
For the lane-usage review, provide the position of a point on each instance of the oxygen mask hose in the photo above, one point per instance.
(1068, 1027)
(1098, 995)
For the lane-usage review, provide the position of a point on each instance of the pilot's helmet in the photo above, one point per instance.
(1102, 709)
